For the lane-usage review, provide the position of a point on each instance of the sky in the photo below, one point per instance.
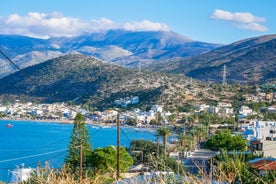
(213, 21)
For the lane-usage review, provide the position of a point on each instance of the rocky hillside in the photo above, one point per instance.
(85, 80)
(247, 61)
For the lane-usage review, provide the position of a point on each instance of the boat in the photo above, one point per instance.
(9, 125)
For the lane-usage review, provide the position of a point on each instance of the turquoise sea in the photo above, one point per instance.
(30, 142)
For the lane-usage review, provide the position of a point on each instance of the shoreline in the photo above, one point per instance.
(66, 121)
(41, 120)
(61, 121)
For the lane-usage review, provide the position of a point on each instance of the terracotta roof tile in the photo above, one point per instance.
(264, 165)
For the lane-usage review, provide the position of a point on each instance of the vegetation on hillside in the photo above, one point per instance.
(247, 61)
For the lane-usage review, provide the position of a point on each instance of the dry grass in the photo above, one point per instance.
(224, 172)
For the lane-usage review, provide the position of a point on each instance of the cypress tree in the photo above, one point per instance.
(80, 139)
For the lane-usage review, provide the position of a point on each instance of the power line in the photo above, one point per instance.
(124, 133)
(45, 160)
(41, 148)
(18, 68)
(9, 60)
(29, 78)
(31, 156)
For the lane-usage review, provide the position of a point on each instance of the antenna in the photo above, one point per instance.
(224, 82)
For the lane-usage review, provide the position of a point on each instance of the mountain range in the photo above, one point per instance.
(78, 78)
(117, 46)
(251, 60)
(65, 71)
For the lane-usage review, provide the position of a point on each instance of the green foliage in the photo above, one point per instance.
(185, 142)
(255, 106)
(224, 140)
(168, 164)
(199, 132)
(159, 117)
(186, 107)
(80, 138)
(269, 116)
(233, 169)
(3, 115)
(143, 150)
(164, 132)
(131, 122)
(104, 160)
(172, 118)
(154, 122)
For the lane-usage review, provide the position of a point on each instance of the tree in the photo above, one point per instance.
(172, 118)
(184, 140)
(199, 132)
(80, 142)
(159, 117)
(206, 119)
(189, 120)
(131, 122)
(104, 160)
(142, 150)
(224, 140)
(165, 133)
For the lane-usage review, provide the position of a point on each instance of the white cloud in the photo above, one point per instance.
(146, 25)
(243, 20)
(55, 24)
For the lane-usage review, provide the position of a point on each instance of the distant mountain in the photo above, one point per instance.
(119, 46)
(247, 61)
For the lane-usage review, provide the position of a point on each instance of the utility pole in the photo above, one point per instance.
(80, 164)
(118, 146)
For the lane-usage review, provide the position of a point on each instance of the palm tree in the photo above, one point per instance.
(191, 120)
(199, 132)
(172, 118)
(165, 133)
(184, 139)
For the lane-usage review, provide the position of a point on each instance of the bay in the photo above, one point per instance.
(30, 142)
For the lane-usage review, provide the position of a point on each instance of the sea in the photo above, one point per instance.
(29, 143)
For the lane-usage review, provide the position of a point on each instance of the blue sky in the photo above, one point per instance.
(215, 21)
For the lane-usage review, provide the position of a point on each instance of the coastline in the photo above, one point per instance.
(61, 121)
(67, 121)
(41, 120)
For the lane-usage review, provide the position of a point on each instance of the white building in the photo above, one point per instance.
(246, 111)
(224, 104)
(157, 108)
(3, 109)
(201, 108)
(221, 110)
(260, 130)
